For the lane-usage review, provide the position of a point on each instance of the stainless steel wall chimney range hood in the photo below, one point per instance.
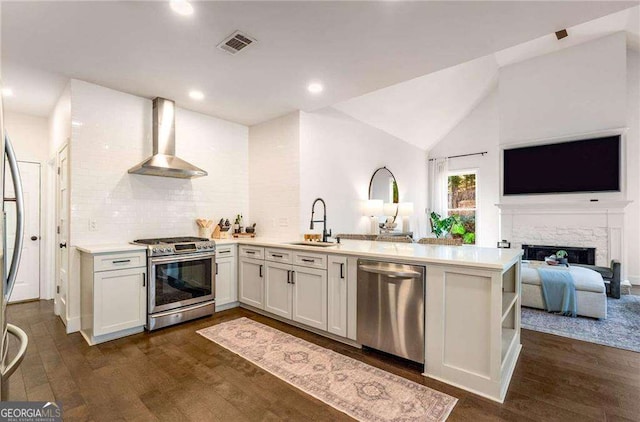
(164, 162)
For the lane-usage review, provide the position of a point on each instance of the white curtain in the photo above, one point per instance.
(438, 190)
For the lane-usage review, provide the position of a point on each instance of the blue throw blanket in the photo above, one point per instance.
(558, 291)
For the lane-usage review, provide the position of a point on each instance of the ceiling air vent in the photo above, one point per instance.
(236, 42)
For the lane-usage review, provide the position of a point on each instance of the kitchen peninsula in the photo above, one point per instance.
(471, 303)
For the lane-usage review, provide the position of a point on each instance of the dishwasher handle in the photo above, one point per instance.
(390, 272)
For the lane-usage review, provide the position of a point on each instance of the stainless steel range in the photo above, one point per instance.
(182, 274)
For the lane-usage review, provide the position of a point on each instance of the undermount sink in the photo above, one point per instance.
(316, 244)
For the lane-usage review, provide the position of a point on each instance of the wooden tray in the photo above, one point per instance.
(244, 235)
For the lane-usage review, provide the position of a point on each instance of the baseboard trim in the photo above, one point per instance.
(634, 279)
(226, 306)
(73, 325)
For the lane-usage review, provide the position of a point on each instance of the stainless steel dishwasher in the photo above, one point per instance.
(391, 308)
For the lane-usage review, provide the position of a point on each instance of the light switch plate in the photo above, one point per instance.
(93, 225)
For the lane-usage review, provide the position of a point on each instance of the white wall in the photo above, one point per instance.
(29, 135)
(112, 133)
(632, 222)
(274, 177)
(338, 156)
(60, 122)
(577, 90)
(478, 132)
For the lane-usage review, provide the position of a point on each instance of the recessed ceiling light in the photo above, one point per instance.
(7, 92)
(196, 95)
(181, 7)
(315, 88)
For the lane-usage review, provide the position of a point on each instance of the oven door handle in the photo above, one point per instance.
(181, 258)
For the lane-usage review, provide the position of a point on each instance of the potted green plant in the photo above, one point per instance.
(561, 256)
(441, 226)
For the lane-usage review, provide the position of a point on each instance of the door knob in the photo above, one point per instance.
(34, 238)
(63, 245)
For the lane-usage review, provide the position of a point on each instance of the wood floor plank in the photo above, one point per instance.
(175, 374)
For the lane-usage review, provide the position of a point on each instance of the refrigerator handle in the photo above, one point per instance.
(17, 360)
(17, 186)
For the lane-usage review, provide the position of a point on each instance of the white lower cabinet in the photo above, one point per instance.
(337, 295)
(294, 291)
(226, 281)
(310, 297)
(251, 282)
(120, 300)
(113, 295)
(277, 289)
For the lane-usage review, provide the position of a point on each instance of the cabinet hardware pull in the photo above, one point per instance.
(288, 276)
(121, 261)
(216, 268)
(308, 260)
(342, 270)
(227, 251)
(251, 252)
(260, 271)
(293, 280)
(144, 279)
(277, 256)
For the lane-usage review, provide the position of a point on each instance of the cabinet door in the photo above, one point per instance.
(337, 301)
(277, 289)
(310, 297)
(120, 300)
(252, 282)
(226, 282)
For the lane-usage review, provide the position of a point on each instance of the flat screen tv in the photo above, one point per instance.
(588, 165)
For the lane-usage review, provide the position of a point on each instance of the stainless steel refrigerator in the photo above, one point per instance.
(9, 266)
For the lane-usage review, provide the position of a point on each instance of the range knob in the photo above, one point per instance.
(154, 250)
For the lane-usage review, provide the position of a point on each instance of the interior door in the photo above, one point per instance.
(62, 254)
(27, 285)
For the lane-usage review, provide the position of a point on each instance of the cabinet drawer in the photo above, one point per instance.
(225, 251)
(251, 252)
(311, 260)
(279, 255)
(119, 260)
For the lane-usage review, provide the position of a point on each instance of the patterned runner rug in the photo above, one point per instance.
(355, 388)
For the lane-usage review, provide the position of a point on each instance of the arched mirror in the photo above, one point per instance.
(383, 185)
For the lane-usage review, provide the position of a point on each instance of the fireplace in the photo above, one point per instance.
(576, 255)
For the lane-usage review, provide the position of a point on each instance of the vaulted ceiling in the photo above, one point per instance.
(422, 111)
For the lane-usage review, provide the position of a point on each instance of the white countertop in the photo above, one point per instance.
(108, 248)
(468, 256)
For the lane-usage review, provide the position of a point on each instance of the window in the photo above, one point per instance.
(461, 203)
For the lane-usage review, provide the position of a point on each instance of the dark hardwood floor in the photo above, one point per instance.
(174, 374)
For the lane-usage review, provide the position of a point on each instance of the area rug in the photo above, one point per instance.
(361, 391)
(621, 329)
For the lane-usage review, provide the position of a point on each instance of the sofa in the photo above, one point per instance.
(591, 296)
(610, 275)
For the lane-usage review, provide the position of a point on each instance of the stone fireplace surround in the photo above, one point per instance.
(597, 225)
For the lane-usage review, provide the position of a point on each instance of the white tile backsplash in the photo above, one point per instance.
(113, 134)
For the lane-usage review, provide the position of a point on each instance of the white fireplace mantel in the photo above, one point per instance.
(598, 224)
